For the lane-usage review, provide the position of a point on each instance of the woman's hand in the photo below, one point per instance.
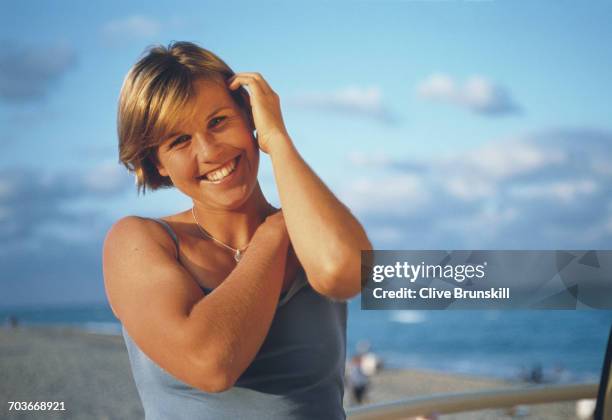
(275, 222)
(265, 106)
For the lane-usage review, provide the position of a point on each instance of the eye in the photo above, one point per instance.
(216, 121)
(179, 140)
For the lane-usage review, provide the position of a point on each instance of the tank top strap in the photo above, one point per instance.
(166, 226)
(299, 282)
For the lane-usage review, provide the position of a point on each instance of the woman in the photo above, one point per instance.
(231, 308)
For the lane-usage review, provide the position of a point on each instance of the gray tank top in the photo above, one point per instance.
(298, 372)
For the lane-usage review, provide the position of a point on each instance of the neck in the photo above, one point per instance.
(234, 227)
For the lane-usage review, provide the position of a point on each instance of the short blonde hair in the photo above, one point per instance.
(154, 94)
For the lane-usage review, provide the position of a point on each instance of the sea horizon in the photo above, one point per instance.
(565, 346)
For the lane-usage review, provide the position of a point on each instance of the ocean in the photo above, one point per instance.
(565, 345)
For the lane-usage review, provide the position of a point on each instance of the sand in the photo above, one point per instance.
(393, 385)
(90, 374)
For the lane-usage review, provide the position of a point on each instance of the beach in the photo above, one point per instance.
(90, 374)
(393, 385)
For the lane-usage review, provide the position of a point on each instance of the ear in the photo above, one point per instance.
(160, 168)
(248, 111)
(162, 171)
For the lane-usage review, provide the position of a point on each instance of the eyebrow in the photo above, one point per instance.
(176, 133)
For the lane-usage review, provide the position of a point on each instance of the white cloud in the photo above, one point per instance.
(468, 187)
(369, 159)
(402, 194)
(542, 190)
(136, 26)
(484, 225)
(508, 158)
(564, 191)
(477, 94)
(65, 232)
(438, 86)
(5, 188)
(384, 234)
(33, 199)
(352, 100)
(27, 73)
(602, 166)
(106, 177)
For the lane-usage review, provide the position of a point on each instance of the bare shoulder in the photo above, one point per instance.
(135, 230)
(140, 267)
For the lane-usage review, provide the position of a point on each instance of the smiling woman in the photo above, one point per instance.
(231, 308)
(213, 149)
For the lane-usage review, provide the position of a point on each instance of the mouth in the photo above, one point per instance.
(221, 174)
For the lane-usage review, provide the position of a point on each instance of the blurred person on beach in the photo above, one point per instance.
(12, 321)
(358, 381)
(232, 308)
(371, 363)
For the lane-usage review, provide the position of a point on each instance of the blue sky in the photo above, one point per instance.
(441, 124)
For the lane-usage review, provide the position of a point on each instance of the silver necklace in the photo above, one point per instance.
(237, 252)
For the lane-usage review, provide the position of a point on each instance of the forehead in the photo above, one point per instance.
(209, 96)
(180, 117)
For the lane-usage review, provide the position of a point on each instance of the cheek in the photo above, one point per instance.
(253, 155)
(179, 169)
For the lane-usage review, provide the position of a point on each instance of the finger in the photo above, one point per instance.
(255, 78)
(248, 81)
(260, 78)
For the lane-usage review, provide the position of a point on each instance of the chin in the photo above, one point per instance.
(232, 200)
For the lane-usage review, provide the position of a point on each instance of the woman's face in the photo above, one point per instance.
(212, 156)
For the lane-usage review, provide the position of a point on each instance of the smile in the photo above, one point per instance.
(221, 174)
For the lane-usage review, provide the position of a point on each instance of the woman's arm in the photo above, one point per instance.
(205, 341)
(325, 235)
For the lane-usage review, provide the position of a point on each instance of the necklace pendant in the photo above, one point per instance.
(238, 255)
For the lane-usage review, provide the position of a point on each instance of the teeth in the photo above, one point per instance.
(222, 172)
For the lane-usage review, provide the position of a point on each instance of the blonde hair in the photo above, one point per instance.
(152, 101)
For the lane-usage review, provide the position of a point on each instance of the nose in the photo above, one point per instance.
(207, 150)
